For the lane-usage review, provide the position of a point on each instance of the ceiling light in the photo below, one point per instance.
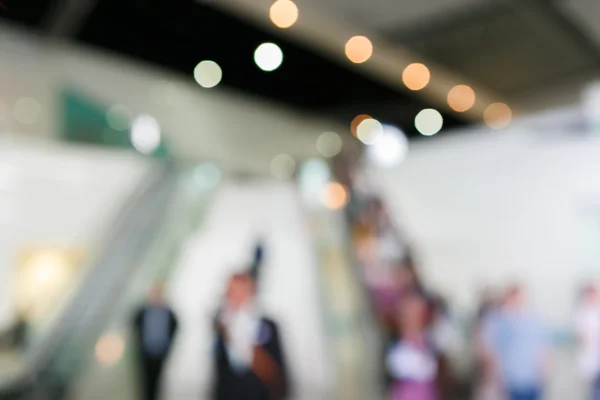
(329, 144)
(283, 166)
(461, 98)
(429, 122)
(389, 150)
(208, 74)
(416, 76)
(369, 130)
(497, 115)
(145, 134)
(110, 349)
(27, 110)
(356, 121)
(118, 117)
(284, 13)
(334, 196)
(359, 49)
(268, 56)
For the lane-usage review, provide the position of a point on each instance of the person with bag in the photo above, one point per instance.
(249, 359)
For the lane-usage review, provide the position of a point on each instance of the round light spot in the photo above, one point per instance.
(284, 13)
(416, 76)
(359, 49)
(27, 110)
(283, 166)
(145, 134)
(329, 144)
(268, 57)
(208, 74)
(369, 130)
(356, 121)
(390, 150)
(461, 98)
(334, 196)
(110, 349)
(119, 117)
(207, 176)
(429, 122)
(497, 115)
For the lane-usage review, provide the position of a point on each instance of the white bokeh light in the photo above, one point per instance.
(207, 176)
(208, 74)
(283, 166)
(429, 122)
(390, 149)
(119, 117)
(27, 110)
(145, 134)
(268, 56)
(329, 144)
(369, 131)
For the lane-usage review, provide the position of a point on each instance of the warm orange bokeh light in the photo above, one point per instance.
(110, 349)
(356, 122)
(284, 13)
(497, 115)
(334, 196)
(416, 76)
(461, 98)
(359, 49)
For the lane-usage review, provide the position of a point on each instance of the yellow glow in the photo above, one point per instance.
(110, 349)
(43, 277)
(334, 196)
(359, 49)
(497, 115)
(284, 13)
(416, 76)
(461, 98)
(356, 122)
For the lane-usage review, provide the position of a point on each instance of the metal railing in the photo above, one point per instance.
(52, 363)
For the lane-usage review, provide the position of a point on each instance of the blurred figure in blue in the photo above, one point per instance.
(155, 326)
(587, 324)
(519, 345)
(249, 358)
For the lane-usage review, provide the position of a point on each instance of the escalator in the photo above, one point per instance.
(54, 364)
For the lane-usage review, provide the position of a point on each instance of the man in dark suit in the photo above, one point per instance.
(249, 359)
(155, 327)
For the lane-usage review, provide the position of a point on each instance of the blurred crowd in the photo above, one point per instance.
(507, 349)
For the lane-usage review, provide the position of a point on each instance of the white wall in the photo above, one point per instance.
(494, 207)
(57, 197)
(241, 132)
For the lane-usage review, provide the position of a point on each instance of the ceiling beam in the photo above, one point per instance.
(68, 17)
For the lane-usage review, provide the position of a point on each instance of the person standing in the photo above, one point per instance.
(249, 359)
(519, 347)
(155, 327)
(587, 324)
(412, 360)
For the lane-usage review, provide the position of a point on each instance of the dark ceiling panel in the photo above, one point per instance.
(511, 47)
(31, 13)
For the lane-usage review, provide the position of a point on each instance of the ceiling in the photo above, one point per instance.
(532, 54)
(179, 36)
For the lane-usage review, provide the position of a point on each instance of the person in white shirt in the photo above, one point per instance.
(588, 331)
